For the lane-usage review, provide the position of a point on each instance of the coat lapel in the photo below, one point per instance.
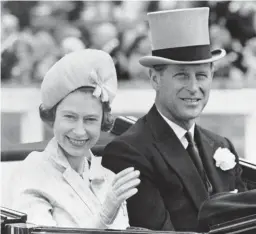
(100, 178)
(79, 185)
(177, 157)
(207, 148)
(81, 189)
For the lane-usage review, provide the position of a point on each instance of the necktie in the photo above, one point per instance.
(194, 154)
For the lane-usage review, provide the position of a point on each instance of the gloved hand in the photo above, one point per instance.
(122, 188)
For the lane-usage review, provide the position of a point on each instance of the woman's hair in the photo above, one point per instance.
(48, 115)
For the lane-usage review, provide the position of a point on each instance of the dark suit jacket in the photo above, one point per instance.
(171, 190)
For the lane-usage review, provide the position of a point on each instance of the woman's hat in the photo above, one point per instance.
(88, 67)
(180, 37)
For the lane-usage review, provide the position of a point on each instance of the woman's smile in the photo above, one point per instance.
(77, 143)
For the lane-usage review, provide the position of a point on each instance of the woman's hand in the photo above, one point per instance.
(123, 187)
(125, 183)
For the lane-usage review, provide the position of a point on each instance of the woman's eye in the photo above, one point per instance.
(91, 119)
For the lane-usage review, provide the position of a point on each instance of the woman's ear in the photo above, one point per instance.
(49, 124)
(154, 78)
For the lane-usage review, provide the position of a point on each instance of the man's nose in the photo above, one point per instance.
(79, 128)
(192, 85)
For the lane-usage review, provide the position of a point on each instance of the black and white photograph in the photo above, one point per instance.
(128, 117)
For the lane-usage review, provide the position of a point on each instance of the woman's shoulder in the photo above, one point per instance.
(40, 159)
(36, 163)
(35, 158)
(29, 174)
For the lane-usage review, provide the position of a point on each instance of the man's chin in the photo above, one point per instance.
(191, 117)
(193, 114)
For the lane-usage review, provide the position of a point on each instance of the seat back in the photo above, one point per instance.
(249, 173)
(20, 151)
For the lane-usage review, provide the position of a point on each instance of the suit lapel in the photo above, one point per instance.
(177, 157)
(207, 148)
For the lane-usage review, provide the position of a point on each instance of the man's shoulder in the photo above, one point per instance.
(138, 136)
(139, 130)
(212, 135)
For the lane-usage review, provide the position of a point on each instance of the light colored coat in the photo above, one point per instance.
(51, 193)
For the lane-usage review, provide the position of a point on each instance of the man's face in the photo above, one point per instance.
(183, 91)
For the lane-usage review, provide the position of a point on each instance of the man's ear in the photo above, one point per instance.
(154, 78)
(212, 69)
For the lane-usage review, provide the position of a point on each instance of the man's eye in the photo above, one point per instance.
(202, 76)
(69, 116)
(180, 75)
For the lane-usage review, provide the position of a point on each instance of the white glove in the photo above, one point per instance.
(122, 188)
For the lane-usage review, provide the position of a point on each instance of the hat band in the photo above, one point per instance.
(188, 53)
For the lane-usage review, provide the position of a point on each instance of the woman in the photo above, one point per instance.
(66, 185)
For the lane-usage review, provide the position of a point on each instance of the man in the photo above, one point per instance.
(179, 170)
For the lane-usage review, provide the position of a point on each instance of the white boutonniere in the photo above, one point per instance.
(225, 160)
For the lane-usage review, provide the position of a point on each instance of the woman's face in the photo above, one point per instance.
(77, 124)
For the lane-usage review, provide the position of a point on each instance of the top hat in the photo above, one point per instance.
(180, 37)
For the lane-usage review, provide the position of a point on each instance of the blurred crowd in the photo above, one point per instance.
(35, 34)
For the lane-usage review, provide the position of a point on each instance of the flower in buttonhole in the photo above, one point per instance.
(225, 160)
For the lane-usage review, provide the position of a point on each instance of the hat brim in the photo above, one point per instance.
(149, 61)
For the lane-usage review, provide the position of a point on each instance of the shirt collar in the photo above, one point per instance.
(179, 131)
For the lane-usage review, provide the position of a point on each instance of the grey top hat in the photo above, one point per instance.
(180, 37)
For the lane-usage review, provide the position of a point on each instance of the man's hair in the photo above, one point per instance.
(48, 115)
(162, 67)
(158, 68)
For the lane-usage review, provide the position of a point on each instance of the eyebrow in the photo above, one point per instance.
(202, 71)
(182, 70)
(75, 113)
(68, 112)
